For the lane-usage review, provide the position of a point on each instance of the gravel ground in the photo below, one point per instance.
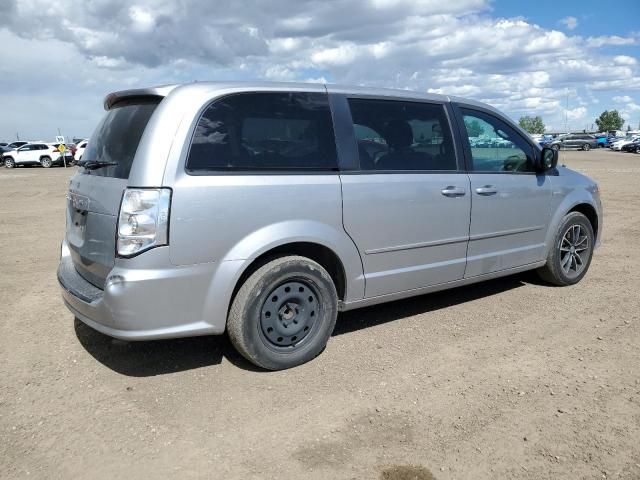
(506, 379)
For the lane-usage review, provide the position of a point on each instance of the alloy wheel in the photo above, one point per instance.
(574, 251)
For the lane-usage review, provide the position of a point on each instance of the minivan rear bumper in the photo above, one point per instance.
(141, 303)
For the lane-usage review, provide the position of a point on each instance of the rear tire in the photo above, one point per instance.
(46, 162)
(555, 147)
(571, 251)
(284, 313)
(9, 162)
(586, 147)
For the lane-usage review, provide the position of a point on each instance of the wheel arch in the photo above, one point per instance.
(325, 244)
(592, 215)
(577, 201)
(317, 252)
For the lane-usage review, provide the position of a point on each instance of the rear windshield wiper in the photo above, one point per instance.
(94, 164)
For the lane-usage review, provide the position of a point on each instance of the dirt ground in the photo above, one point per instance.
(506, 379)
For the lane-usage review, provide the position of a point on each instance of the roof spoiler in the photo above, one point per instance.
(115, 97)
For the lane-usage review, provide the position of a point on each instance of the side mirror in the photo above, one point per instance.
(548, 159)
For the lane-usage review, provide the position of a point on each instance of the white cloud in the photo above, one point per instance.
(622, 99)
(142, 20)
(459, 48)
(341, 55)
(576, 113)
(602, 41)
(570, 22)
(624, 60)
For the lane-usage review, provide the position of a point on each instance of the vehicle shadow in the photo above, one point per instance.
(160, 357)
(388, 312)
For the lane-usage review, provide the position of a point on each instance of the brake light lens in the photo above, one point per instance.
(143, 222)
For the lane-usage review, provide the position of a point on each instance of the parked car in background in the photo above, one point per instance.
(603, 140)
(34, 154)
(81, 146)
(581, 141)
(267, 234)
(631, 147)
(614, 140)
(70, 148)
(618, 144)
(11, 146)
(546, 138)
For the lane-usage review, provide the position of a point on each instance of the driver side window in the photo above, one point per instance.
(495, 146)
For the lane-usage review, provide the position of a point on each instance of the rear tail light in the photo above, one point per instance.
(143, 222)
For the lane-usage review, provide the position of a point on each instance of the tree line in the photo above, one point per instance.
(608, 120)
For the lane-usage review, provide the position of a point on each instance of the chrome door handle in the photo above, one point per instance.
(487, 190)
(452, 191)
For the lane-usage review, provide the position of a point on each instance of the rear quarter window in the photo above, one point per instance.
(264, 131)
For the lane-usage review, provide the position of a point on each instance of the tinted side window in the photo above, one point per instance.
(495, 146)
(396, 135)
(265, 131)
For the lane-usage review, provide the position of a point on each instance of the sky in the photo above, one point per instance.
(59, 59)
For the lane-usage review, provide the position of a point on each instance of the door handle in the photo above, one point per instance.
(452, 191)
(487, 190)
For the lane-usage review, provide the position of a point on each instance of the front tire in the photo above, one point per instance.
(571, 252)
(284, 313)
(586, 147)
(46, 162)
(9, 162)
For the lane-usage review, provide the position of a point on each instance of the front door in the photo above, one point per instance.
(510, 203)
(26, 154)
(407, 208)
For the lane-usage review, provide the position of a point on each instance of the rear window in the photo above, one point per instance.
(264, 131)
(117, 137)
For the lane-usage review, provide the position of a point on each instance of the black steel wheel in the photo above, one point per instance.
(289, 314)
(284, 313)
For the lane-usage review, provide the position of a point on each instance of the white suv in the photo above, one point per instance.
(34, 154)
(81, 146)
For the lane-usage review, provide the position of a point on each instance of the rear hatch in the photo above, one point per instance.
(95, 191)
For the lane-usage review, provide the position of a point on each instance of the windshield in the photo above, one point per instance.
(117, 136)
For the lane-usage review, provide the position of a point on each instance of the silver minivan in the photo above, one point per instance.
(264, 209)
